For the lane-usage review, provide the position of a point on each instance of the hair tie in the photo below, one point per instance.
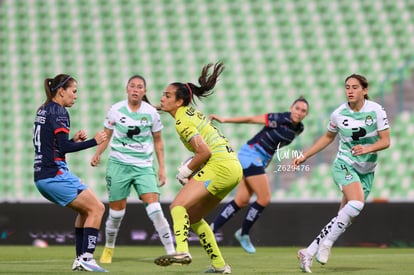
(191, 92)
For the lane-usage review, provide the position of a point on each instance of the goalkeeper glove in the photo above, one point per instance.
(183, 174)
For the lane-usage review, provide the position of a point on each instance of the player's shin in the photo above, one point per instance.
(209, 243)
(161, 225)
(345, 216)
(181, 222)
(313, 247)
(112, 224)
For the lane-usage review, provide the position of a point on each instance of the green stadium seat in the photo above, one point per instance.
(274, 51)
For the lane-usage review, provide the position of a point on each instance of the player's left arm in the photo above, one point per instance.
(382, 143)
(159, 151)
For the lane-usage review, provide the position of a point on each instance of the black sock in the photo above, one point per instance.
(252, 215)
(226, 214)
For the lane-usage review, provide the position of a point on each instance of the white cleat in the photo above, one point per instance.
(90, 265)
(75, 264)
(305, 261)
(323, 254)
(224, 270)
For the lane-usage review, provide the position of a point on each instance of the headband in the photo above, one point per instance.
(191, 92)
(61, 84)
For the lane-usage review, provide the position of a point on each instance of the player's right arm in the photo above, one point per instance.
(257, 119)
(318, 146)
(101, 147)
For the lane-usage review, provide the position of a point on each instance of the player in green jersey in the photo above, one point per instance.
(134, 128)
(363, 129)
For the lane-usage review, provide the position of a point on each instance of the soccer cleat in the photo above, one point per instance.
(224, 270)
(178, 258)
(75, 264)
(106, 257)
(323, 254)
(305, 261)
(90, 265)
(245, 242)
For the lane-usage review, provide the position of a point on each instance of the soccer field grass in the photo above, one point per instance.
(267, 260)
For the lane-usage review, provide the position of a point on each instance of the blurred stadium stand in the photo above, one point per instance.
(274, 51)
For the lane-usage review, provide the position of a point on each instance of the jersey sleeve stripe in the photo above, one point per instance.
(58, 130)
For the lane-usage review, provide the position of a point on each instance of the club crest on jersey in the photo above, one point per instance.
(348, 176)
(144, 121)
(369, 121)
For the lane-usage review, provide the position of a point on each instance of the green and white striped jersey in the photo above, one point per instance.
(132, 141)
(358, 128)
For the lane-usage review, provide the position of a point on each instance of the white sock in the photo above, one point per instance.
(161, 225)
(86, 256)
(345, 216)
(313, 247)
(113, 222)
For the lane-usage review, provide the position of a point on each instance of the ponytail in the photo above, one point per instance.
(187, 91)
(52, 85)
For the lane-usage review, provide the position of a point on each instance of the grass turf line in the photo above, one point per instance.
(267, 260)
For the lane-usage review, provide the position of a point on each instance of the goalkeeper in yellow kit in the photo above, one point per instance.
(202, 191)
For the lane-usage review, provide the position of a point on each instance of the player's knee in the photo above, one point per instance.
(242, 202)
(153, 210)
(263, 200)
(117, 214)
(353, 208)
(100, 208)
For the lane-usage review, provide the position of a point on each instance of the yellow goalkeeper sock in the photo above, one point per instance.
(209, 243)
(181, 227)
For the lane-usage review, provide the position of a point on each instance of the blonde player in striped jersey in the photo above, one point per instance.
(363, 129)
(202, 190)
(134, 126)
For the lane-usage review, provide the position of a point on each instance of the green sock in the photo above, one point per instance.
(209, 243)
(181, 227)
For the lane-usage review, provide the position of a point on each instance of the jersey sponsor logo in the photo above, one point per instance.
(41, 112)
(133, 130)
(358, 132)
(345, 122)
(186, 133)
(40, 119)
(64, 121)
(110, 122)
(190, 111)
(272, 124)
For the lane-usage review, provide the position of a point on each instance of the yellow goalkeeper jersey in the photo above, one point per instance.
(190, 122)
